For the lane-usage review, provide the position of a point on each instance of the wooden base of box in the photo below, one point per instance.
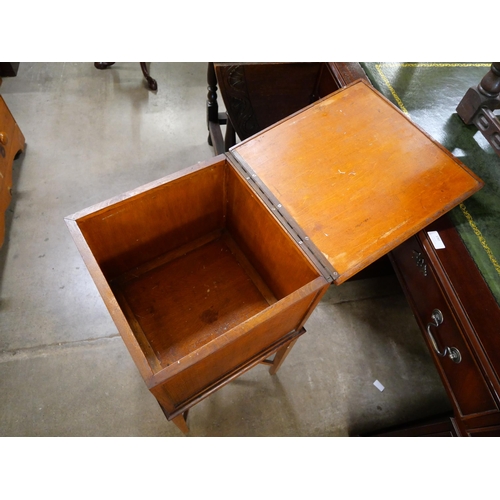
(278, 355)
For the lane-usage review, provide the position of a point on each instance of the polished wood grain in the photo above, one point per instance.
(454, 284)
(265, 242)
(471, 299)
(466, 384)
(357, 175)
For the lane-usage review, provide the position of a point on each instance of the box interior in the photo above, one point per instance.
(191, 257)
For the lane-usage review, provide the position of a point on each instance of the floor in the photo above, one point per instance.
(64, 370)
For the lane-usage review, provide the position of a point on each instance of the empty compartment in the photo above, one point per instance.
(183, 263)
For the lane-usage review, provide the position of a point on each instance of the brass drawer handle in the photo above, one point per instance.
(3, 138)
(452, 352)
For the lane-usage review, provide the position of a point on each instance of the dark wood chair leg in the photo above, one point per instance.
(213, 122)
(478, 104)
(230, 138)
(103, 65)
(151, 81)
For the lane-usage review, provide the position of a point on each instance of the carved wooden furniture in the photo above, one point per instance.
(460, 320)
(257, 95)
(152, 84)
(211, 270)
(453, 285)
(478, 104)
(11, 144)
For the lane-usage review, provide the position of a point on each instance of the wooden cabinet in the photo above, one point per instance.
(11, 144)
(196, 274)
(457, 329)
(213, 269)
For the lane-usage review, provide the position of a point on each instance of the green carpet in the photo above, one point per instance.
(430, 93)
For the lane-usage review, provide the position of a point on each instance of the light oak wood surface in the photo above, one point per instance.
(356, 175)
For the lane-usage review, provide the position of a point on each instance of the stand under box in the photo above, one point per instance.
(211, 270)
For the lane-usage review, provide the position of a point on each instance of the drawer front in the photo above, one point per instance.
(462, 376)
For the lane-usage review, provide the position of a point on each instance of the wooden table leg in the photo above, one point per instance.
(280, 356)
(181, 422)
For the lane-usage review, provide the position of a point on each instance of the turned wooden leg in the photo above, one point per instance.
(478, 104)
(181, 422)
(103, 65)
(280, 356)
(151, 81)
(214, 118)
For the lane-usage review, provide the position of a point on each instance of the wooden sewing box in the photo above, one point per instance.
(216, 268)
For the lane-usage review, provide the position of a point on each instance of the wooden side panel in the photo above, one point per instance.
(202, 368)
(357, 175)
(145, 363)
(160, 216)
(11, 142)
(275, 256)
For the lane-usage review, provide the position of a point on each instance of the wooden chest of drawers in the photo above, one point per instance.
(470, 377)
(211, 270)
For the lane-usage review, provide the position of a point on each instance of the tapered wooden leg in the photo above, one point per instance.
(181, 422)
(280, 356)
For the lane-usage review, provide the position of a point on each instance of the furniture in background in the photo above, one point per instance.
(453, 282)
(8, 68)
(258, 95)
(152, 84)
(478, 104)
(454, 291)
(12, 143)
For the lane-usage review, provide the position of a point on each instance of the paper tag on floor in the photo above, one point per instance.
(436, 239)
(378, 385)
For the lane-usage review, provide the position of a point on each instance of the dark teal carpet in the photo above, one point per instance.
(429, 93)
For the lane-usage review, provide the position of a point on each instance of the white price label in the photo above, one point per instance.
(436, 239)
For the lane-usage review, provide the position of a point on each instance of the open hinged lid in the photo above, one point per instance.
(351, 177)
